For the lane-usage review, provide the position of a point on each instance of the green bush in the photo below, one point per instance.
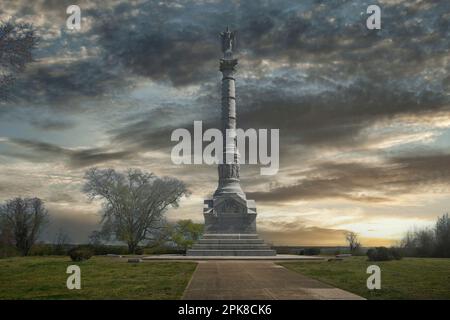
(46, 249)
(397, 253)
(101, 250)
(164, 250)
(310, 251)
(379, 254)
(359, 252)
(60, 250)
(7, 251)
(42, 249)
(80, 253)
(383, 254)
(285, 250)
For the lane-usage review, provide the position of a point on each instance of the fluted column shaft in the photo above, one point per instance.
(229, 170)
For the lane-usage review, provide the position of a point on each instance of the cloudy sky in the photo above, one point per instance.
(364, 115)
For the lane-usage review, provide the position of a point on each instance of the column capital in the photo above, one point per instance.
(228, 64)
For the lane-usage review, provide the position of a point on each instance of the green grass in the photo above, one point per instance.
(101, 278)
(409, 278)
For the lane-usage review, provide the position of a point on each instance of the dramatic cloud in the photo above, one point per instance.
(363, 114)
(365, 182)
(312, 236)
(40, 151)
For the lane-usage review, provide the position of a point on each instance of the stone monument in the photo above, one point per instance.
(230, 218)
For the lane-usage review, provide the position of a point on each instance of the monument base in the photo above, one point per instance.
(230, 228)
(230, 245)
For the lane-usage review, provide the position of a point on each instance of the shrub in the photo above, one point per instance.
(100, 249)
(46, 249)
(285, 250)
(383, 254)
(7, 251)
(396, 253)
(59, 250)
(379, 254)
(164, 250)
(359, 252)
(311, 251)
(41, 249)
(80, 253)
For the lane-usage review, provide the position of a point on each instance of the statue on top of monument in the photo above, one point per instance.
(228, 41)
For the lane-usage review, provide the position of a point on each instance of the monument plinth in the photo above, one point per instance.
(230, 219)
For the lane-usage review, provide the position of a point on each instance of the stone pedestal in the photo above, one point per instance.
(229, 214)
(230, 229)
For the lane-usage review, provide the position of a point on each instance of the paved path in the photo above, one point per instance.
(218, 280)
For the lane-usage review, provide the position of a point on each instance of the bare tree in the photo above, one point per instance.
(353, 241)
(425, 241)
(134, 202)
(17, 41)
(428, 242)
(25, 219)
(442, 231)
(61, 242)
(6, 237)
(95, 238)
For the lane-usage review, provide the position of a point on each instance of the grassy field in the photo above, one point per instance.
(409, 278)
(112, 278)
(101, 278)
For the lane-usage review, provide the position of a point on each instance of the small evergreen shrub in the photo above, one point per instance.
(383, 254)
(396, 253)
(164, 250)
(7, 251)
(101, 250)
(311, 251)
(80, 254)
(41, 249)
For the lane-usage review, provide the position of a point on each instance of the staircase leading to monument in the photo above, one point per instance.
(230, 245)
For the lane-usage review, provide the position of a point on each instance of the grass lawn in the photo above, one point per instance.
(101, 278)
(409, 278)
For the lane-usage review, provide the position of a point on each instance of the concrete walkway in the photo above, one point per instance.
(227, 280)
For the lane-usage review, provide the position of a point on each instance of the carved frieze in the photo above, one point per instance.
(230, 206)
(229, 171)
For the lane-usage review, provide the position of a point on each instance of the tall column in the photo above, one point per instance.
(230, 218)
(229, 170)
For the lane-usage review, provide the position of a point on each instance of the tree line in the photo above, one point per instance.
(428, 242)
(418, 242)
(134, 207)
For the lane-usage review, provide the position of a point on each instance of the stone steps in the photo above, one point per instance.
(230, 245)
(230, 236)
(236, 246)
(230, 241)
(246, 253)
